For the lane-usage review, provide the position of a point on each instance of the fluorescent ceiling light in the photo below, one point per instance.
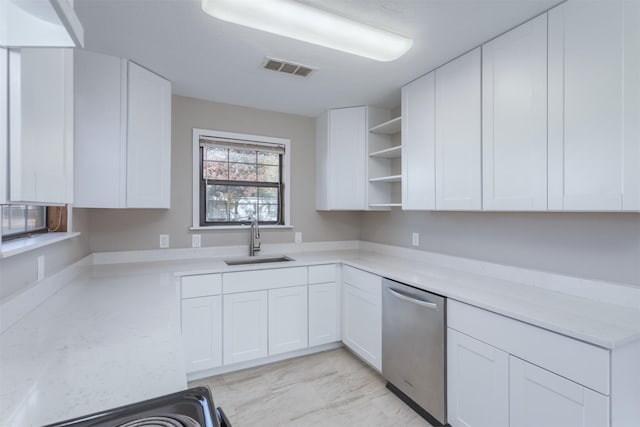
(301, 22)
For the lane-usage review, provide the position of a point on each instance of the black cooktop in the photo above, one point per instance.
(189, 408)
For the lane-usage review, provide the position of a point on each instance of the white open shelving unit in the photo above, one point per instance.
(384, 152)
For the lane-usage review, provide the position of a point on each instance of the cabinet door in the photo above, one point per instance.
(458, 132)
(346, 158)
(478, 383)
(245, 326)
(418, 141)
(287, 319)
(323, 313)
(100, 131)
(148, 139)
(4, 126)
(514, 119)
(41, 125)
(202, 332)
(594, 106)
(362, 324)
(542, 398)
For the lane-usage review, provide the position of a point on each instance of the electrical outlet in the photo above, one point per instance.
(40, 267)
(195, 240)
(415, 239)
(298, 237)
(164, 241)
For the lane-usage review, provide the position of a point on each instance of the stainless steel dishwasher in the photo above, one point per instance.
(414, 348)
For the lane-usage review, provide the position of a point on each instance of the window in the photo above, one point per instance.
(240, 178)
(22, 220)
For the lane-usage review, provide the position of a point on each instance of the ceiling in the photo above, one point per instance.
(215, 60)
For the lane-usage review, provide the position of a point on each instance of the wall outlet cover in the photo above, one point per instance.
(415, 239)
(298, 237)
(164, 241)
(196, 240)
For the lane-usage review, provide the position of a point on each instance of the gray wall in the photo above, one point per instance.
(19, 271)
(114, 230)
(589, 245)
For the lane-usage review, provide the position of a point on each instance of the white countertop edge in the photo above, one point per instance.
(26, 244)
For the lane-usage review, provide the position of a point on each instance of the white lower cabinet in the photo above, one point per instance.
(542, 398)
(323, 313)
(245, 327)
(478, 383)
(287, 319)
(362, 315)
(202, 332)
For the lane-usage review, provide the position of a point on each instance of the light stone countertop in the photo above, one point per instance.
(112, 338)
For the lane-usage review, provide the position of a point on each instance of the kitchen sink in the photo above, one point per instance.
(257, 260)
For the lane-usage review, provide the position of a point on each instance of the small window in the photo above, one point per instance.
(22, 220)
(240, 180)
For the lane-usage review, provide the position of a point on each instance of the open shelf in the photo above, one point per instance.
(384, 205)
(390, 127)
(391, 178)
(388, 153)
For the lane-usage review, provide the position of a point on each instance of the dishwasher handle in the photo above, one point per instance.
(426, 304)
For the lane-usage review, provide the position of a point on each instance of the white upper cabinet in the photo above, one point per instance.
(514, 119)
(418, 144)
(458, 134)
(41, 126)
(123, 134)
(340, 155)
(594, 106)
(4, 125)
(148, 139)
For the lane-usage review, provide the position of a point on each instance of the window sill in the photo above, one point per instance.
(19, 246)
(240, 227)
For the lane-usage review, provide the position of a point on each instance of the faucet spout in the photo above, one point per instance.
(254, 242)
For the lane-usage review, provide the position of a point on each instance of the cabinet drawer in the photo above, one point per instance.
(361, 279)
(256, 280)
(580, 362)
(201, 285)
(322, 273)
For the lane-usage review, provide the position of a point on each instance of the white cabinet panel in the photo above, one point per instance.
(594, 106)
(41, 126)
(287, 319)
(245, 333)
(478, 383)
(202, 332)
(322, 273)
(201, 285)
(100, 130)
(341, 155)
(457, 133)
(514, 119)
(418, 144)
(4, 125)
(539, 397)
(362, 323)
(148, 139)
(246, 281)
(323, 313)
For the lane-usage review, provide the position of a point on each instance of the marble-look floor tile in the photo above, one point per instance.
(332, 388)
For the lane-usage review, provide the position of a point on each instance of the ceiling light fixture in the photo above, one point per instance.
(301, 22)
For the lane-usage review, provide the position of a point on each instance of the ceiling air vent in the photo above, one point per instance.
(288, 67)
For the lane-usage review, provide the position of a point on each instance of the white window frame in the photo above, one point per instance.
(257, 139)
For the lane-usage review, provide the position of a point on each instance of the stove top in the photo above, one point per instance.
(189, 408)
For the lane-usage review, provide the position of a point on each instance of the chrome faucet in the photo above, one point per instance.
(254, 242)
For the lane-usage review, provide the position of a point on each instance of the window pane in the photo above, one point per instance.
(268, 173)
(216, 170)
(242, 172)
(216, 153)
(242, 156)
(268, 213)
(268, 196)
(268, 158)
(217, 211)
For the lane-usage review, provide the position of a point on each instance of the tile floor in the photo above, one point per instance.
(332, 388)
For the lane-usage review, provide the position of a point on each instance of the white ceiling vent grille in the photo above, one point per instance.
(288, 67)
